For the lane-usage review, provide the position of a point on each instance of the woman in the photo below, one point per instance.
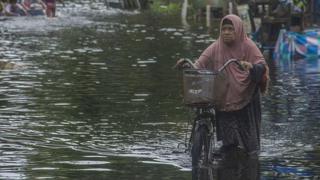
(51, 8)
(2, 6)
(14, 9)
(34, 7)
(239, 112)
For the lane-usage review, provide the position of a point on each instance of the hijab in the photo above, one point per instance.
(240, 88)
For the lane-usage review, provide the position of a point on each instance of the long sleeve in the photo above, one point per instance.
(204, 61)
(257, 72)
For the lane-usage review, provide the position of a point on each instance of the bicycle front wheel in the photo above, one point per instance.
(200, 151)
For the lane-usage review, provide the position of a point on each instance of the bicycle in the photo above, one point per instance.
(200, 94)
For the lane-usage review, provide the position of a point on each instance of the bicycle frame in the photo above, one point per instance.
(202, 141)
(205, 116)
(202, 138)
(208, 109)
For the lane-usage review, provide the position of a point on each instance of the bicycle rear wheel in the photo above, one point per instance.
(200, 152)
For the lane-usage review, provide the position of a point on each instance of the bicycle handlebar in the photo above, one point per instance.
(188, 61)
(229, 62)
(181, 62)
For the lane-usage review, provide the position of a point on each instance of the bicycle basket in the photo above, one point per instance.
(203, 87)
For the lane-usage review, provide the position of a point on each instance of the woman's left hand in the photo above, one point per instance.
(246, 65)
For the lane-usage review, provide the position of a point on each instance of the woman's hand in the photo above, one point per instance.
(246, 65)
(183, 64)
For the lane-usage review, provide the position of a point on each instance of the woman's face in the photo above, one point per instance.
(228, 34)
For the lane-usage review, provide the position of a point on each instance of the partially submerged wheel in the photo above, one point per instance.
(200, 152)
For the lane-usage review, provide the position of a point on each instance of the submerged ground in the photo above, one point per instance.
(95, 97)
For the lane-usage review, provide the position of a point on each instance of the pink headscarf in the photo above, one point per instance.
(240, 87)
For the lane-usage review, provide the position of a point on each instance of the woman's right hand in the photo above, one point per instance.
(183, 64)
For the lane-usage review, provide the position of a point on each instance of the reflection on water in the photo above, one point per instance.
(234, 165)
(238, 165)
(97, 98)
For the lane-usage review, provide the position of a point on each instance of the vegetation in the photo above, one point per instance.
(165, 7)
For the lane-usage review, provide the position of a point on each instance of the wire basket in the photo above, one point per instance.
(203, 87)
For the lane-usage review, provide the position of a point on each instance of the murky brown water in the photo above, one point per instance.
(96, 98)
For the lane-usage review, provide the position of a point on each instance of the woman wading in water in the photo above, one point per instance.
(239, 112)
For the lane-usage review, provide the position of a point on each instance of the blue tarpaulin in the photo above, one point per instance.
(290, 44)
(294, 171)
(305, 47)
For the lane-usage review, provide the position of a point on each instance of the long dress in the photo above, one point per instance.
(241, 128)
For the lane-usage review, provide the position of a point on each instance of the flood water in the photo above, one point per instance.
(95, 97)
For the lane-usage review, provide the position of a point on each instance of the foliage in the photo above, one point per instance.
(162, 7)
